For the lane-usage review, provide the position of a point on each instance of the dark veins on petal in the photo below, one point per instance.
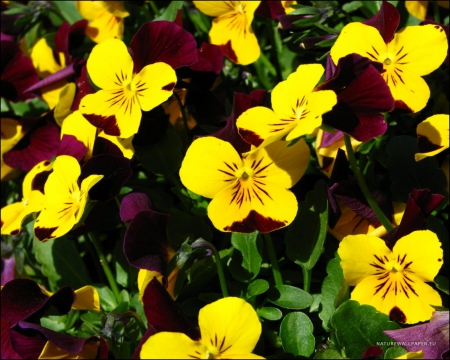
(397, 315)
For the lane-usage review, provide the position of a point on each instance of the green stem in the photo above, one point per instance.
(273, 50)
(183, 114)
(106, 268)
(437, 16)
(363, 186)
(220, 273)
(306, 279)
(93, 254)
(155, 8)
(273, 260)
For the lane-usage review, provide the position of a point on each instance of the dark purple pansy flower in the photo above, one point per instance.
(17, 73)
(270, 9)
(436, 334)
(362, 96)
(163, 41)
(70, 145)
(386, 21)
(241, 103)
(163, 315)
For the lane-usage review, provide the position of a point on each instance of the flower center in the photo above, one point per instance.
(244, 173)
(240, 9)
(387, 61)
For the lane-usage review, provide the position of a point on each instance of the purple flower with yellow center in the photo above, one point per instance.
(407, 55)
(393, 281)
(432, 136)
(117, 107)
(297, 109)
(65, 199)
(232, 30)
(249, 193)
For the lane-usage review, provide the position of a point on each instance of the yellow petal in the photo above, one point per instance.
(412, 355)
(109, 71)
(75, 124)
(417, 9)
(87, 298)
(209, 166)
(86, 185)
(51, 351)
(215, 8)
(43, 59)
(167, 345)
(229, 326)
(433, 134)
(422, 252)
(52, 93)
(63, 107)
(363, 256)
(90, 9)
(252, 204)
(125, 145)
(239, 356)
(105, 26)
(154, 84)
(424, 48)
(29, 182)
(144, 277)
(11, 134)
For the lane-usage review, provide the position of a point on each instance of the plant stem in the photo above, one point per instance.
(183, 114)
(437, 16)
(306, 279)
(154, 8)
(273, 260)
(273, 50)
(220, 273)
(363, 186)
(105, 266)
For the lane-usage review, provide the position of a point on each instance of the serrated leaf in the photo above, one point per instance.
(296, 333)
(170, 13)
(257, 287)
(246, 259)
(61, 263)
(306, 235)
(269, 313)
(289, 297)
(360, 326)
(333, 285)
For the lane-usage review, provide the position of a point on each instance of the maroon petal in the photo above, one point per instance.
(8, 266)
(68, 38)
(39, 144)
(420, 204)
(84, 87)
(103, 146)
(270, 9)
(18, 73)
(163, 41)
(372, 352)
(145, 244)
(53, 78)
(116, 171)
(241, 103)
(210, 58)
(71, 146)
(385, 21)
(27, 338)
(22, 298)
(7, 350)
(132, 204)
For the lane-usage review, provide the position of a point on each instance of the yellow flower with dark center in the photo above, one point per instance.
(117, 107)
(249, 193)
(394, 281)
(432, 136)
(229, 329)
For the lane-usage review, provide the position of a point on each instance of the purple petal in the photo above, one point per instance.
(84, 87)
(53, 78)
(385, 21)
(116, 171)
(103, 146)
(68, 38)
(21, 298)
(241, 103)
(7, 350)
(8, 266)
(132, 204)
(71, 146)
(420, 204)
(26, 339)
(372, 352)
(163, 41)
(40, 143)
(435, 333)
(145, 244)
(329, 138)
(270, 9)
(210, 58)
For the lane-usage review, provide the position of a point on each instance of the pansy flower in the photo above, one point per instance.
(232, 30)
(106, 19)
(229, 329)
(65, 199)
(393, 281)
(117, 107)
(407, 55)
(432, 136)
(297, 109)
(419, 9)
(249, 193)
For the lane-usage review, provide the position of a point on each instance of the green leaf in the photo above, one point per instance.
(61, 263)
(308, 21)
(257, 287)
(246, 259)
(305, 10)
(334, 290)
(311, 222)
(269, 313)
(68, 10)
(360, 326)
(365, 147)
(108, 301)
(296, 333)
(170, 13)
(352, 6)
(394, 352)
(164, 157)
(442, 283)
(328, 354)
(289, 297)
(407, 174)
